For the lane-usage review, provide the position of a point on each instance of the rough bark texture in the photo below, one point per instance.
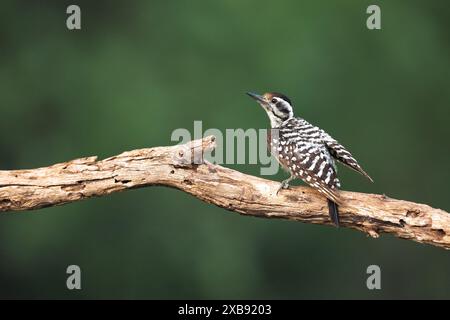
(248, 195)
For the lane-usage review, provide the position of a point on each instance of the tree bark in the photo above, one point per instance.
(182, 167)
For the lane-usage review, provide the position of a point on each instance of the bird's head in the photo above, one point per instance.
(277, 106)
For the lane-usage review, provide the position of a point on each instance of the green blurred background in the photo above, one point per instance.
(139, 69)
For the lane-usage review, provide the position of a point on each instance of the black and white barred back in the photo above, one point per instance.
(306, 151)
(309, 153)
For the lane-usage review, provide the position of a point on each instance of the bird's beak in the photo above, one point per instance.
(260, 99)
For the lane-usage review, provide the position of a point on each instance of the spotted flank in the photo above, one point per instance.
(307, 160)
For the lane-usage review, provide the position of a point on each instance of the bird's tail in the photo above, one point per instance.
(334, 212)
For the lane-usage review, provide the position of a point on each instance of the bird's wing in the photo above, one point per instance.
(341, 154)
(312, 163)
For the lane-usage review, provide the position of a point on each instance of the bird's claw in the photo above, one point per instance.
(283, 185)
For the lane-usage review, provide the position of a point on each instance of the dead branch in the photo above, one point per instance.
(248, 195)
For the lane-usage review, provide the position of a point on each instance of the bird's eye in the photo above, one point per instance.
(274, 100)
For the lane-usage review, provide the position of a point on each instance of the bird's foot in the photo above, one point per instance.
(283, 185)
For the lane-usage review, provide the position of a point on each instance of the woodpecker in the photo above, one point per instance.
(305, 151)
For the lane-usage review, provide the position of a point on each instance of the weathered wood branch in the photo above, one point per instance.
(248, 195)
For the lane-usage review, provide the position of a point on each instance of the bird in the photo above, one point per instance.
(305, 151)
